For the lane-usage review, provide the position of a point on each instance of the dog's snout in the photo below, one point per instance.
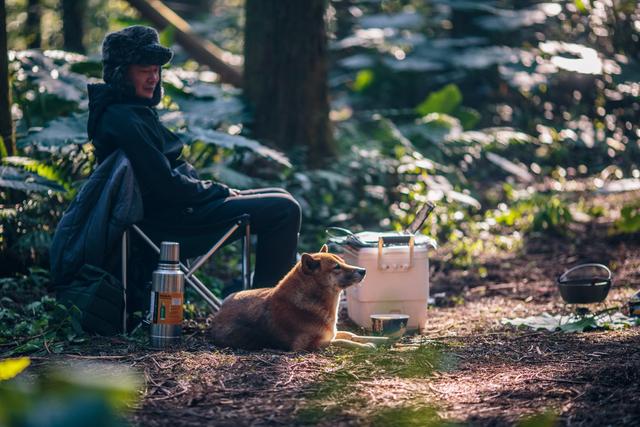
(351, 276)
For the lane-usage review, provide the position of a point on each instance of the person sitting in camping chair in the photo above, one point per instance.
(177, 205)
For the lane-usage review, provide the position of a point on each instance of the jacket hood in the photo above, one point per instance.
(102, 95)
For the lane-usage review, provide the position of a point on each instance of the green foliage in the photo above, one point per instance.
(364, 79)
(34, 193)
(235, 144)
(408, 416)
(88, 68)
(583, 5)
(69, 396)
(553, 216)
(58, 133)
(469, 118)
(629, 221)
(445, 100)
(44, 87)
(545, 419)
(540, 213)
(33, 322)
(435, 128)
(167, 36)
(42, 169)
(3, 149)
(18, 179)
(448, 101)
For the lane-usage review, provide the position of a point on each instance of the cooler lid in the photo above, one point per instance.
(370, 239)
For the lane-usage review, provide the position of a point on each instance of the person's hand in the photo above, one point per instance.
(233, 192)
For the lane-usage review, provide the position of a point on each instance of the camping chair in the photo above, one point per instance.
(190, 268)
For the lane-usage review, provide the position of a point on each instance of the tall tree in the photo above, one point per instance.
(7, 135)
(33, 35)
(285, 75)
(73, 12)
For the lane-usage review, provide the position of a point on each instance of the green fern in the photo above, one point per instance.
(629, 221)
(6, 213)
(43, 170)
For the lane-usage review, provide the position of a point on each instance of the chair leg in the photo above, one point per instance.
(213, 301)
(246, 256)
(125, 247)
(189, 276)
(202, 259)
(202, 290)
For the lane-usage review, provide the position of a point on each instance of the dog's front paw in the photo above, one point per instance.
(344, 335)
(352, 344)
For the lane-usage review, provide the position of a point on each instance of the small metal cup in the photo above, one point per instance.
(389, 324)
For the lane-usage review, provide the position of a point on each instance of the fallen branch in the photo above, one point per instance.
(202, 51)
(80, 356)
(559, 380)
(168, 396)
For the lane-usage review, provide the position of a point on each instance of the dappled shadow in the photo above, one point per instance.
(225, 388)
(267, 388)
(504, 375)
(198, 384)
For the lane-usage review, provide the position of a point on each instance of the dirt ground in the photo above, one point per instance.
(468, 368)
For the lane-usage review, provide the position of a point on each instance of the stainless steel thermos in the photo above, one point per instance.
(167, 295)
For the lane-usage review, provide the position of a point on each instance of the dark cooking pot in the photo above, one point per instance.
(577, 287)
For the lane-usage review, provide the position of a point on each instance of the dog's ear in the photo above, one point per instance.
(324, 248)
(309, 264)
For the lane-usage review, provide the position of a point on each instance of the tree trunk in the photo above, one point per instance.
(7, 136)
(285, 76)
(73, 12)
(33, 35)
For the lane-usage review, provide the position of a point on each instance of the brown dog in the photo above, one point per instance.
(300, 313)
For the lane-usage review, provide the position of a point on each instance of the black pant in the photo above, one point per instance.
(275, 219)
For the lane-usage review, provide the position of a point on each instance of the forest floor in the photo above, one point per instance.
(467, 368)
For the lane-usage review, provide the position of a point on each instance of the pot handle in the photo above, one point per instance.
(563, 277)
(338, 232)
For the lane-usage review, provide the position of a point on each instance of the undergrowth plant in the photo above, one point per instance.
(68, 395)
(629, 221)
(31, 322)
(35, 189)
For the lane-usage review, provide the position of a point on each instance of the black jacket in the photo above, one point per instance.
(92, 226)
(168, 184)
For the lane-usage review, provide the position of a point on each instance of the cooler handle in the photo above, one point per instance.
(395, 240)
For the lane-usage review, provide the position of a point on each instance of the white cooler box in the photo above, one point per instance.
(397, 279)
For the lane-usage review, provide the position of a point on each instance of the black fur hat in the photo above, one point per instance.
(132, 45)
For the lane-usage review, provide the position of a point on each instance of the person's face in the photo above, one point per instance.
(144, 78)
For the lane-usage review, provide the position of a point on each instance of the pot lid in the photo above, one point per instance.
(369, 239)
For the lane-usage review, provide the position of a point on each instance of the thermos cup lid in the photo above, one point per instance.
(169, 252)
